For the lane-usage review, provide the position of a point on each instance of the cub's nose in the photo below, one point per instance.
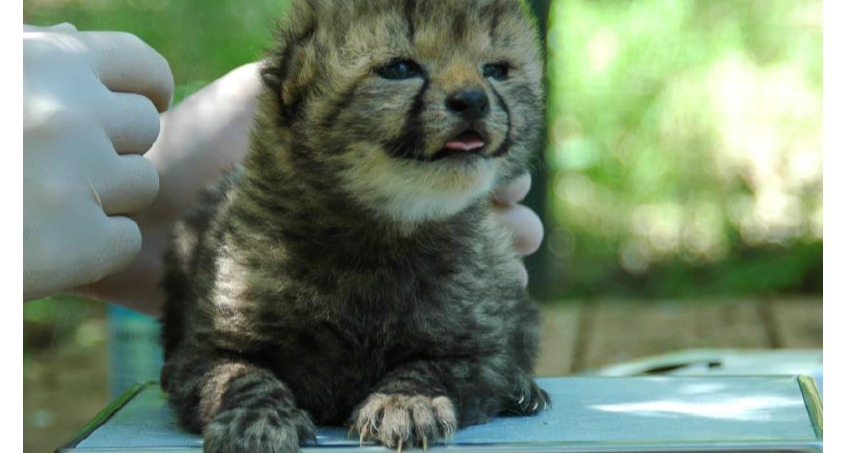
(469, 104)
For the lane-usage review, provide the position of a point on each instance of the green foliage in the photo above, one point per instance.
(54, 321)
(685, 150)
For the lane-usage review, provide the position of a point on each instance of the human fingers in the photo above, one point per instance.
(513, 192)
(525, 225)
(130, 121)
(130, 185)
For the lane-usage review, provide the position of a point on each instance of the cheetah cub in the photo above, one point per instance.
(351, 272)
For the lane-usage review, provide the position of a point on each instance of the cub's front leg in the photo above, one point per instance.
(238, 406)
(257, 414)
(424, 401)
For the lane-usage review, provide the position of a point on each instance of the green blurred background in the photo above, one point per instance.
(685, 148)
(684, 156)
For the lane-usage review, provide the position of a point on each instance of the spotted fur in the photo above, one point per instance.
(351, 272)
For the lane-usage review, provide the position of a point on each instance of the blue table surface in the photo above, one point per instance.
(586, 410)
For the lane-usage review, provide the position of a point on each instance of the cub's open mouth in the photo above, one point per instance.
(467, 143)
(468, 140)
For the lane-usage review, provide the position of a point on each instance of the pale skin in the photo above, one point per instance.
(204, 136)
(91, 109)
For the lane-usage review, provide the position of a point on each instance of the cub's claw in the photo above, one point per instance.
(529, 399)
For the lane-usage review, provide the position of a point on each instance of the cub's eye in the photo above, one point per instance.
(496, 71)
(400, 69)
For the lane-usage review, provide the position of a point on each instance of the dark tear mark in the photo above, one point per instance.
(411, 140)
(506, 144)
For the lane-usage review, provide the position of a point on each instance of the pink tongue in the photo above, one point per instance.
(468, 145)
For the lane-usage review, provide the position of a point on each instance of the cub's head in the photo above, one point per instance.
(413, 108)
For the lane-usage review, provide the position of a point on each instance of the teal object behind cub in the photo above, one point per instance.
(135, 354)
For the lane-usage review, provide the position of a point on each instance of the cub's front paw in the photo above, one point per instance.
(529, 399)
(404, 420)
(258, 430)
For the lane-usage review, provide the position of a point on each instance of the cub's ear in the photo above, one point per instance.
(284, 67)
(302, 15)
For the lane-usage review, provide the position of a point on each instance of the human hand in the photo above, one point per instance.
(91, 103)
(524, 223)
(201, 138)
